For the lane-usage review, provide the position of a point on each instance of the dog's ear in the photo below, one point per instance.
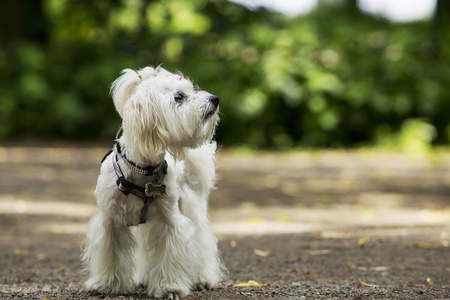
(123, 88)
(143, 123)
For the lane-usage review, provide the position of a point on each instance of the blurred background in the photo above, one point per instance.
(296, 78)
(290, 74)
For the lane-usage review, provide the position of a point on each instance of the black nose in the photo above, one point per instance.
(214, 100)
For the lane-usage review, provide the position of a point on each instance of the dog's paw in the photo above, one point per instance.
(199, 287)
(103, 288)
(172, 296)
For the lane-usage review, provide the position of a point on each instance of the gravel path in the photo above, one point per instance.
(306, 225)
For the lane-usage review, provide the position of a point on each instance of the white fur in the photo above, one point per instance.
(176, 248)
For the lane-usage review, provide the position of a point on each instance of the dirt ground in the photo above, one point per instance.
(356, 225)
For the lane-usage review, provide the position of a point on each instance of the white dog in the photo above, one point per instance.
(152, 227)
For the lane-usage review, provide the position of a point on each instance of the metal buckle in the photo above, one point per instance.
(154, 189)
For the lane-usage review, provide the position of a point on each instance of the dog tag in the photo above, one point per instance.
(154, 189)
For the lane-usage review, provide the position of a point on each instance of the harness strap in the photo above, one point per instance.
(147, 193)
(106, 155)
(125, 186)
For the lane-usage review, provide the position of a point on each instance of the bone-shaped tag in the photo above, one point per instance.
(154, 189)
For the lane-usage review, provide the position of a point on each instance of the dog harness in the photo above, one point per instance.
(153, 188)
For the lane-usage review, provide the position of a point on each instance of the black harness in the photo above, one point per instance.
(153, 188)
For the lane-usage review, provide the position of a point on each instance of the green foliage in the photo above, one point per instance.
(333, 78)
(415, 137)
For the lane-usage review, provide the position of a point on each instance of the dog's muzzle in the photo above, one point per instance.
(214, 101)
(212, 108)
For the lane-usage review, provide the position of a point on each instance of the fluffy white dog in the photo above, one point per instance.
(152, 192)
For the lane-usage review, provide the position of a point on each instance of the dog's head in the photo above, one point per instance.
(162, 111)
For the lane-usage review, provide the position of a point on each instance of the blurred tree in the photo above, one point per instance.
(22, 20)
(440, 23)
(333, 78)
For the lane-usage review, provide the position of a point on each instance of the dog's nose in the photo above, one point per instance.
(214, 100)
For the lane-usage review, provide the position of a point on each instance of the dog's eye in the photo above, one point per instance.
(179, 97)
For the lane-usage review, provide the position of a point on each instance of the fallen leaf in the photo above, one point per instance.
(413, 285)
(429, 281)
(283, 219)
(253, 283)
(365, 212)
(367, 284)
(381, 268)
(319, 252)
(254, 221)
(263, 253)
(233, 244)
(250, 283)
(363, 240)
(19, 252)
(427, 245)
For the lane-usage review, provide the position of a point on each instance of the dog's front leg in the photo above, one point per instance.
(108, 256)
(172, 263)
